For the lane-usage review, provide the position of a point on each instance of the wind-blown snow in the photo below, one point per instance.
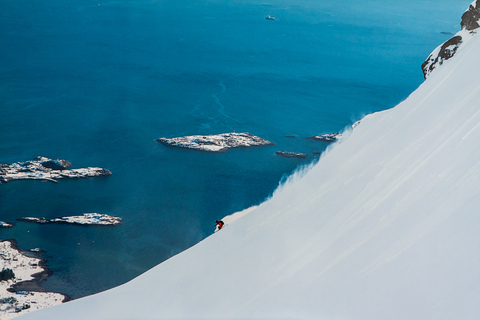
(385, 226)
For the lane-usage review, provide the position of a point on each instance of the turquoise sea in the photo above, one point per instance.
(96, 82)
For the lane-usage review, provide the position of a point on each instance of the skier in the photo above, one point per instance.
(219, 224)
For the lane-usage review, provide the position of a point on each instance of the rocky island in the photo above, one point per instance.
(84, 219)
(216, 142)
(291, 154)
(329, 137)
(42, 168)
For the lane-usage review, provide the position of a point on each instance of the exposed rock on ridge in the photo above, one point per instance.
(444, 52)
(471, 17)
(470, 21)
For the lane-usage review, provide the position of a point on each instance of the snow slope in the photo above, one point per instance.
(385, 226)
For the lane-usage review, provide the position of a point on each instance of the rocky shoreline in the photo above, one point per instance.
(46, 169)
(24, 292)
(217, 142)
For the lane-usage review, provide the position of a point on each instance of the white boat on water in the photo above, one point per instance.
(270, 18)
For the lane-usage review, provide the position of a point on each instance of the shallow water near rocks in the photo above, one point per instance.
(96, 83)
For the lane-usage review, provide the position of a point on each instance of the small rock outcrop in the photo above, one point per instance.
(4, 224)
(329, 137)
(291, 154)
(55, 164)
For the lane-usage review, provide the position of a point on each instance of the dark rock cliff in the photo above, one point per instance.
(470, 22)
(471, 16)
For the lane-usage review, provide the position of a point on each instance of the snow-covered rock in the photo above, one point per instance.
(90, 219)
(4, 224)
(216, 142)
(84, 219)
(42, 168)
(34, 219)
(329, 137)
(445, 51)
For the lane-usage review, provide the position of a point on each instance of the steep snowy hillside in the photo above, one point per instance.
(385, 226)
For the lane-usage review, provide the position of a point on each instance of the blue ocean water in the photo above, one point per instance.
(96, 82)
